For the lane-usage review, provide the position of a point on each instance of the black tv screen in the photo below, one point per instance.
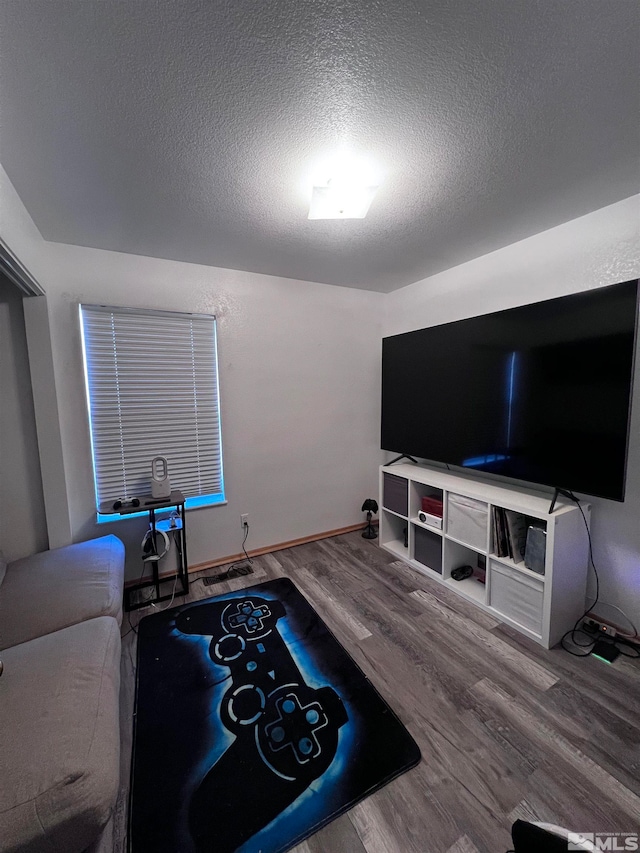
(540, 393)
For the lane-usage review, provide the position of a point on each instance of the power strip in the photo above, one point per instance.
(599, 629)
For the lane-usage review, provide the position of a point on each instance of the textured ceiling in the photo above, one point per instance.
(183, 129)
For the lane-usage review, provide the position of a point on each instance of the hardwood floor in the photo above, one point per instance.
(506, 728)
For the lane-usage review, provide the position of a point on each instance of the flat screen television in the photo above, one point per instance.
(540, 393)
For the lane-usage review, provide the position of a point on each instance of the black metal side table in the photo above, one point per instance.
(179, 532)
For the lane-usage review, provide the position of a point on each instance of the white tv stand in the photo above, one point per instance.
(542, 606)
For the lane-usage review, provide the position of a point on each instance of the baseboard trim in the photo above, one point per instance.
(281, 546)
(258, 552)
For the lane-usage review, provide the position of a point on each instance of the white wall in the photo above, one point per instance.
(600, 248)
(22, 517)
(299, 380)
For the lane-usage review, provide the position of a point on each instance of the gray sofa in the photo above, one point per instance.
(60, 615)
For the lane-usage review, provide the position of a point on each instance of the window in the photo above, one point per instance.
(152, 390)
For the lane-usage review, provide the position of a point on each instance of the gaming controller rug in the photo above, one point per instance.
(253, 728)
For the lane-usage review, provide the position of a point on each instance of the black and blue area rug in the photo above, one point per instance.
(253, 727)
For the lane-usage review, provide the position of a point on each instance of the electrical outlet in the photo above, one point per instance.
(244, 520)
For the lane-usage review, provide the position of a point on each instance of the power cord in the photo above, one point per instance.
(176, 542)
(173, 595)
(235, 570)
(131, 628)
(590, 644)
(618, 641)
(575, 630)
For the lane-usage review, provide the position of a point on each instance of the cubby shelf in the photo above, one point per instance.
(469, 588)
(542, 606)
(396, 547)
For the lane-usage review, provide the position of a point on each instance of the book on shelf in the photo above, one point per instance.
(534, 558)
(494, 532)
(517, 525)
(501, 539)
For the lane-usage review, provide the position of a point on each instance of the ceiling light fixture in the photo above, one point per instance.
(344, 189)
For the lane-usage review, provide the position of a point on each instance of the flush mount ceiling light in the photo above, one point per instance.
(337, 201)
(344, 189)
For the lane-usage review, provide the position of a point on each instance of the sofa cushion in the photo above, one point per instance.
(59, 738)
(58, 588)
(3, 568)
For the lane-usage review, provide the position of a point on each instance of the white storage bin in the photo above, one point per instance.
(467, 520)
(517, 596)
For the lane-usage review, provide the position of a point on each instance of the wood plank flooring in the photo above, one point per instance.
(506, 728)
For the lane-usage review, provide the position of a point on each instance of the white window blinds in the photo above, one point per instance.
(152, 388)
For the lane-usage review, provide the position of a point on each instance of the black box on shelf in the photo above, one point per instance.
(396, 494)
(428, 548)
